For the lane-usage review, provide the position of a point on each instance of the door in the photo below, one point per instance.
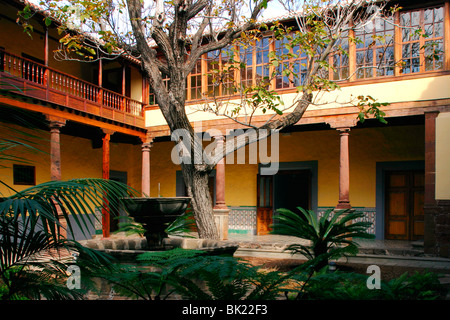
(404, 205)
(264, 210)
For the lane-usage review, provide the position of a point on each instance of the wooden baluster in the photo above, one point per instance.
(14, 67)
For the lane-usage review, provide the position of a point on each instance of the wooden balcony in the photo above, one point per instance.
(37, 81)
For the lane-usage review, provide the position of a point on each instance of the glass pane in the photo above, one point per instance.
(415, 49)
(415, 65)
(439, 14)
(439, 29)
(406, 51)
(428, 16)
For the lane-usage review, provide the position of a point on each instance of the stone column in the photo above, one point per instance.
(55, 163)
(220, 209)
(344, 170)
(146, 146)
(106, 220)
(55, 148)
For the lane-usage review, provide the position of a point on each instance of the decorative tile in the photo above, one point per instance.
(242, 218)
(369, 216)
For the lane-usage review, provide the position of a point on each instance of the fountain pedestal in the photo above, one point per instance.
(155, 215)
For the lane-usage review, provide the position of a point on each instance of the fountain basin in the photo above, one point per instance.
(147, 206)
(155, 215)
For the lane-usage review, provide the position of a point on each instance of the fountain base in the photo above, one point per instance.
(125, 249)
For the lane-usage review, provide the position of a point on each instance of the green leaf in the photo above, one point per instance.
(47, 21)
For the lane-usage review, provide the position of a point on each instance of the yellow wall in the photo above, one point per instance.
(367, 147)
(78, 159)
(162, 170)
(443, 156)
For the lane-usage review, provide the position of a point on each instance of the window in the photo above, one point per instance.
(375, 49)
(24, 175)
(246, 65)
(422, 53)
(340, 59)
(220, 69)
(291, 71)
(194, 86)
(262, 48)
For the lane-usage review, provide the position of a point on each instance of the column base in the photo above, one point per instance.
(343, 205)
(221, 220)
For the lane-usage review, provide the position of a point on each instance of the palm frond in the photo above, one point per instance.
(331, 234)
(77, 198)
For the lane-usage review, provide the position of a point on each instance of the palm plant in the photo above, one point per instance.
(203, 277)
(34, 265)
(330, 236)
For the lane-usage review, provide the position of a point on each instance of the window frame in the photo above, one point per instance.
(23, 182)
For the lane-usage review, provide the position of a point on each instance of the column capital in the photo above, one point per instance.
(108, 131)
(147, 139)
(343, 130)
(342, 122)
(55, 122)
(146, 146)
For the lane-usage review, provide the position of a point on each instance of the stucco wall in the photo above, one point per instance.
(443, 156)
(367, 147)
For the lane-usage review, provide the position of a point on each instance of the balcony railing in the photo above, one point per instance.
(38, 81)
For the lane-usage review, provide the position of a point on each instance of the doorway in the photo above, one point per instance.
(293, 189)
(287, 189)
(404, 202)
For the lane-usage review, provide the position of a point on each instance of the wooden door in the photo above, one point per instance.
(404, 205)
(264, 209)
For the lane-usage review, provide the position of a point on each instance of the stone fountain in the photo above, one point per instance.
(155, 215)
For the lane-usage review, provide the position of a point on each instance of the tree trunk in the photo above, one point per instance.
(320, 250)
(198, 189)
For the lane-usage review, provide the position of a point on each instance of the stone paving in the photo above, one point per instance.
(382, 252)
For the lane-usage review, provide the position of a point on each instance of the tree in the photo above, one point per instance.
(170, 37)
